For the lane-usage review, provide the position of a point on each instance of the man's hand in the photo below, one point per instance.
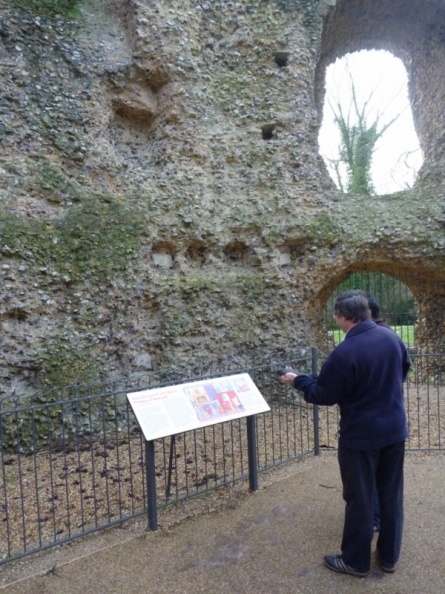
(288, 376)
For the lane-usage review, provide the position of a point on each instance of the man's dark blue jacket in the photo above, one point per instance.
(364, 375)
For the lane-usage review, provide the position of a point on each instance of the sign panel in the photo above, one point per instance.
(175, 409)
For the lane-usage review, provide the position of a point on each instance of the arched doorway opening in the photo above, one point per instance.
(398, 307)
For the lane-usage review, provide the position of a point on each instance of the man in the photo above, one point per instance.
(364, 376)
(374, 306)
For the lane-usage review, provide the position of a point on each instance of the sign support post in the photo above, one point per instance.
(251, 450)
(151, 485)
(170, 466)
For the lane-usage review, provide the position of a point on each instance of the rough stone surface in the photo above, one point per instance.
(161, 190)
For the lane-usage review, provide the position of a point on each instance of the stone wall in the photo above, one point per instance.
(163, 201)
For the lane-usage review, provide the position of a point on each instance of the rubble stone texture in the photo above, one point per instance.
(163, 200)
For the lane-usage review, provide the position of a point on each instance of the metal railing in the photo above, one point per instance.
(72, 461)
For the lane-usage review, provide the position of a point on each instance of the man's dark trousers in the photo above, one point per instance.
(361, 471)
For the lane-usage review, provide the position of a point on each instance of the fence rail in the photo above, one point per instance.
(73, 461)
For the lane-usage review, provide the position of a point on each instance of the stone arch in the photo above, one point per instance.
(427, 287)
(397, 303)
(412, 30)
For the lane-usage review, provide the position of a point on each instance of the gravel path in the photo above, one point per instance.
(270, 542)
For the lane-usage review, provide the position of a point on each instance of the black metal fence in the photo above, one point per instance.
(73, 461)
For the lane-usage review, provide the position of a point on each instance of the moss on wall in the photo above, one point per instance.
(68, 8)
(94, 238)
(47, 180)
(64, 363)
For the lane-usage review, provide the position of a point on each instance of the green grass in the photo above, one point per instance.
(406, 333)
(337, 335)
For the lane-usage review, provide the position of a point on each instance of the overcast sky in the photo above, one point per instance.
(383, 75)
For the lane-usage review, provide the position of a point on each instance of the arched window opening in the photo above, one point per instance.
(395, 299)
(367, 137)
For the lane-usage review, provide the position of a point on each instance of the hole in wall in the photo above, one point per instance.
(268, 131)
(367, 95)
(16, 313)
(135, 117)
(135, 107)
(237, 251)
(163, 254)
(291, 250)
(197, 252)
(164, 246)
(281, 59)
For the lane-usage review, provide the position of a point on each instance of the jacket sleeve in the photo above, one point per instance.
(406, 367)
(330, 388)
(406, 361)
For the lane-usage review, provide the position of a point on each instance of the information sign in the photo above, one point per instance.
(175, 409)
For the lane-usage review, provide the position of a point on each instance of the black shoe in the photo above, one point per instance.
(336, 563)
(386, 567)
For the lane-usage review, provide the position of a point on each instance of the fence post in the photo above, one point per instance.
(316, 419)
(251, 449)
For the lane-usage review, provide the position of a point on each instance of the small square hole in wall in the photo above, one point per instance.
(281, 59)
(236, 251)
(17, 313)
(197, 252)
(268, 131)
(163, 254)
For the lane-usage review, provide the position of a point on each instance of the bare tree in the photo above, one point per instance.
(358, 140)
(361, 123)
(409, 162)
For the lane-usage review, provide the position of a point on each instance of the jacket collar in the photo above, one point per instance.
(361, 327)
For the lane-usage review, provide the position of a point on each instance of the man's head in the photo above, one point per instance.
(374, 306)
(353, 306)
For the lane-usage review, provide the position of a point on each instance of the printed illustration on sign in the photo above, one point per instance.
(215, 399)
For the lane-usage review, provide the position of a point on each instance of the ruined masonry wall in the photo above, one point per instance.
(163, 202)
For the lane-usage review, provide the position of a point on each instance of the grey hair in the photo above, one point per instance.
(352, 305)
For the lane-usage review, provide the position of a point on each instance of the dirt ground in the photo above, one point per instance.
(232, 541)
